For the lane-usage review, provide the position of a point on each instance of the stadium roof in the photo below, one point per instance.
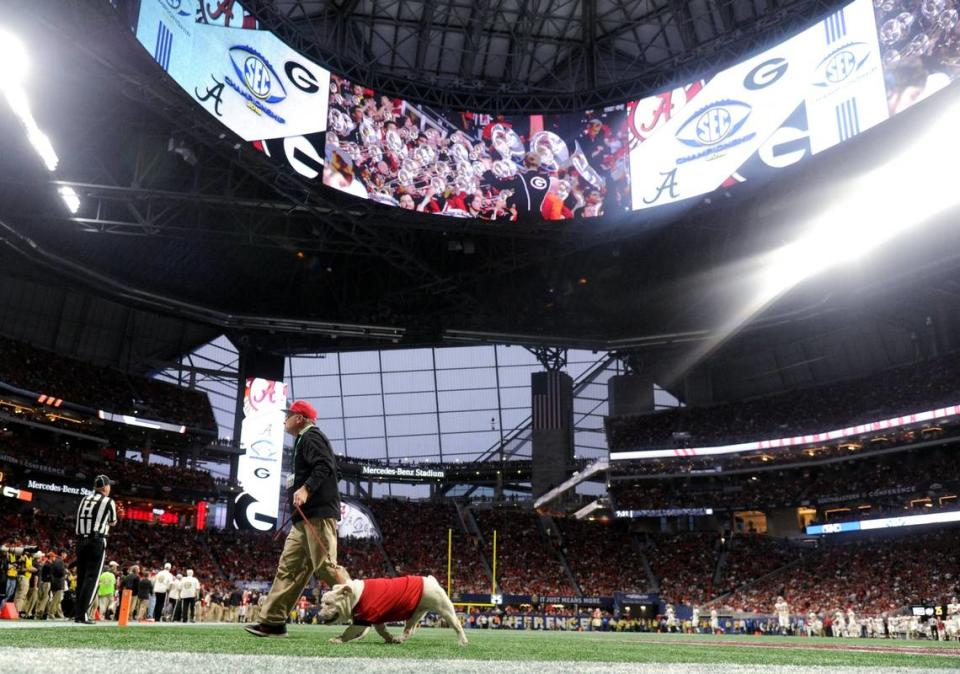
(528, 55)
(237, 246)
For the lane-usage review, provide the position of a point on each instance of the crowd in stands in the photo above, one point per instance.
(790, 457)
(604, 558)
(872, 576)
(75, 381)
(913, 388)
(685, 565)
(752, 556)
(746, 573)
(527, 562)
(252, 556)
(415, 539)
(77, 459)
(891, 480)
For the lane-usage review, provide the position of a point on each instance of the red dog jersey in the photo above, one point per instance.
(388, 600)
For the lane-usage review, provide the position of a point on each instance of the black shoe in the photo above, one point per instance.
(85, 622)
(265, 630)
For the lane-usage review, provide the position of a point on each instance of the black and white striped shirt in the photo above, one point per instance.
(96, 514)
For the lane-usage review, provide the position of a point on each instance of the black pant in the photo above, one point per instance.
(90, 554)
(158, 606)
(188, 607)
(177, 609)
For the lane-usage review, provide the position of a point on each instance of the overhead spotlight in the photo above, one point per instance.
(16, 65)
(70, 198)
(14, 56)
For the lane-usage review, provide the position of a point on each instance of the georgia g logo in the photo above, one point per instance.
(538, 183)
(257, 75)
(841, 63)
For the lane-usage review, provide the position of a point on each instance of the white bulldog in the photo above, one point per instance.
(377, 601)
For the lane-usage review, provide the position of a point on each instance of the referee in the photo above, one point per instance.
(96, 514)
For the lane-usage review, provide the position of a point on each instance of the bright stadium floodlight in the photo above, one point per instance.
(867, 216)
(70, 198)
(13, 55)
(901, 194)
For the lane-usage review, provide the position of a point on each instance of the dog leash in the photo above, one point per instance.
(314, 533)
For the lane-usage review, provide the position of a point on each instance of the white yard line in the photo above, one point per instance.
(84, 661)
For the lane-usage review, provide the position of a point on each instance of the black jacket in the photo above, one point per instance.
(315, 466)
(130, 582)
(144, 589)
(57, 571)
(45, 571)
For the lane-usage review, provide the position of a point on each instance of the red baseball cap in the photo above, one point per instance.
(303, 408)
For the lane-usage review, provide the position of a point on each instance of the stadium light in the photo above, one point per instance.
(70, 198)
(866, 216)
(13, 55)
(901, 194)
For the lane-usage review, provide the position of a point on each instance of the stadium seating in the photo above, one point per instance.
(684, 565)
(80, 460)
(43, 372)
(872, 576)
(903, 476)
(415, 539)
(754, 569)
(917, 387)
(603, 558)
(526, 560)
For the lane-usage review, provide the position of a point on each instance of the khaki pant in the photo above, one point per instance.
(301, 558)
(55, 610)
(43, 599)
(254, 613)
(103, 604)
(21, 597)
(140, 609)
(30, 604)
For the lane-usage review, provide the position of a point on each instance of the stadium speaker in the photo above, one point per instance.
(264, 365)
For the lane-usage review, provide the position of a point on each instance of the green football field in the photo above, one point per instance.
(160, 648)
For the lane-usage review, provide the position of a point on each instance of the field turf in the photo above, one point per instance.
(155, 647)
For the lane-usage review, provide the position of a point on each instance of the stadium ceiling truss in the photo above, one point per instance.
(296, 215)
(528, 56)
(239, 197)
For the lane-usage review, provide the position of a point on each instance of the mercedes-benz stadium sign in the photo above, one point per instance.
(846, 73)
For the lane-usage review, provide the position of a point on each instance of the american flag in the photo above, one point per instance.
(547, 400)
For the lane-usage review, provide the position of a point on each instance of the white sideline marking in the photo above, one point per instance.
(93, 661)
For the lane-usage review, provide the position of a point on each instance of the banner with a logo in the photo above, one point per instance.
(261, 437)
(248, 79)
(823, 87)
(355, 521)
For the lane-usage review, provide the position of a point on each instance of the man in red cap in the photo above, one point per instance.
(311, 547)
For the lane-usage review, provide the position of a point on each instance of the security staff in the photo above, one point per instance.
(96, 514)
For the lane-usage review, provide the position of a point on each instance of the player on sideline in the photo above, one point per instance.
(671, 618)
(96, 514)
(783, 615)
(695, 620)
(714, 621)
